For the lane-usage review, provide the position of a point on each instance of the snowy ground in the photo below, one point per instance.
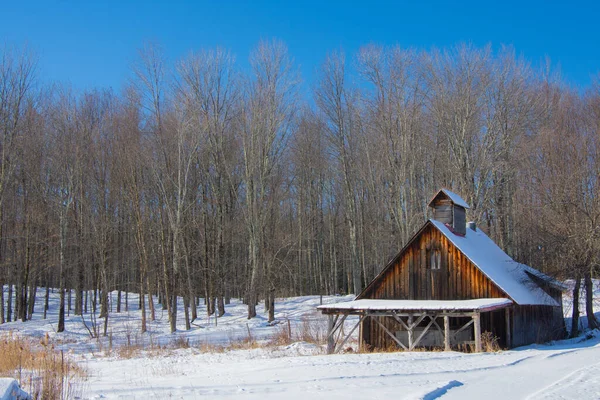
(568, 370)
(564, 370)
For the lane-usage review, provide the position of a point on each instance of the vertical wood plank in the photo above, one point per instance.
(422, 281)
(410, 331)
(477, 331)
(508, 330)
(330, 335)
(459, 276)
(446, 333)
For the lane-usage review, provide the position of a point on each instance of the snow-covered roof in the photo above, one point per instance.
(456, 199)
(545, 277)
(499, 267)
(421, 305)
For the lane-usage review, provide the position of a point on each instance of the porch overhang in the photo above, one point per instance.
(382, 307)
(409, 314)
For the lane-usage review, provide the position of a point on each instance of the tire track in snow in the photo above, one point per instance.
(565, 384)
(537, 378)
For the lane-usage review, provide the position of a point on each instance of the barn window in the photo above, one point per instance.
(436, 259)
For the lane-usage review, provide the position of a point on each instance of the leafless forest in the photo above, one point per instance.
(207, 180)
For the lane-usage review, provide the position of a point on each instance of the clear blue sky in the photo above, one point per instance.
(93, 43)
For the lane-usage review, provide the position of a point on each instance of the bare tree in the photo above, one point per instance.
(267, 115)
(17, 74)
(65, 155)
(209, 84)
(336, 102)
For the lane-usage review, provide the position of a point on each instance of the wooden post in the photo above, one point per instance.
(360, 336)
(477, 329)
(410, 332)
(361, 319)
(446, 333)
(330, 338)
(508, 329)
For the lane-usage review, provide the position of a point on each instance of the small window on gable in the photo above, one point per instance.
(436, 259)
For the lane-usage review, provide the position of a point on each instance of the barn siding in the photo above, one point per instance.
(537, 324)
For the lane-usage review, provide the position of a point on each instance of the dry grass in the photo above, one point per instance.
(489, 342)
(309, 330)
(135, 345)
(42, 371)
(394, 348)
(129, 351)
(312, 331)
(180, 342)
(282, 335)
(366, 348)
(211, 348)
(244, 344)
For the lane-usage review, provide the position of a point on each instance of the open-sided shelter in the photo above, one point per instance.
(449, 284)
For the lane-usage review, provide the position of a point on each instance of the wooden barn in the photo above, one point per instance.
(448, 285)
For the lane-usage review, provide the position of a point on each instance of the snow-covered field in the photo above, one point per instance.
(568, 369)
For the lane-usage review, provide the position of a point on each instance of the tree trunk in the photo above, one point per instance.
(251, 298)
(9, 295)
(143, 308)
(271, 301)
(186, 308)
(46, 299)
(61, 310)
(575, 315)
(220, 306)
(31, 301)
(589, 301)
(63, 246)
(1, 301)
(150, 301)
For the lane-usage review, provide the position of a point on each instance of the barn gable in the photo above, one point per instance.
(431, 267)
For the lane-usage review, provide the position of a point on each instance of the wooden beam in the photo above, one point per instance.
(508, 330)
(477, 330)
(330, 325)
(422, 334)
(340, 328)
(351, 332)
(397, 318)
(424, 313)
(333, 326)
(338, 323)
(418, 321)
(446, 333)
(360, 338)
(389, 333)
(465, 326)
(410, 331)
(436, 324)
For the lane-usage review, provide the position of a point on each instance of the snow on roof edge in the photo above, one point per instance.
(427, 305)
(552, 281)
